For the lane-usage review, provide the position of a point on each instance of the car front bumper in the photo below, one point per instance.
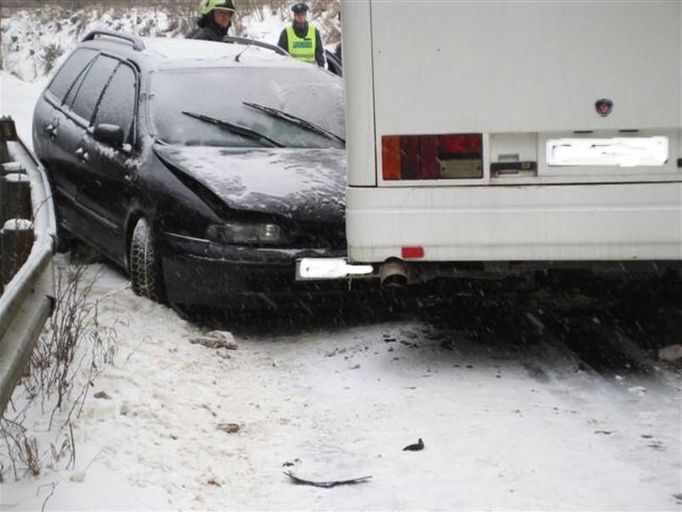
(200, 272)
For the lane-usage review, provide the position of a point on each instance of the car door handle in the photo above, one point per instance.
(50, 130)
(82, 154)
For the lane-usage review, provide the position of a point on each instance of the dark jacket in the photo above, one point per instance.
(335, 61)
(207, 29)
(302, 31)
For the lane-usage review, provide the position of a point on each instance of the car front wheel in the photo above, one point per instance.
(145, 264)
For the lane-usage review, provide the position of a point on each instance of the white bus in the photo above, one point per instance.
(509, 135)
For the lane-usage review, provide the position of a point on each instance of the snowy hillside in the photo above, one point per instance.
(17, 99)
(34, 41)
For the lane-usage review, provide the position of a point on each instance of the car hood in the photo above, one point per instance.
(300, 184)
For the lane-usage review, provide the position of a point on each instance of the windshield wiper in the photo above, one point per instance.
(234, 128)
(279, 114)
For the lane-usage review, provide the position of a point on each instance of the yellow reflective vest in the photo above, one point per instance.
(302, 48)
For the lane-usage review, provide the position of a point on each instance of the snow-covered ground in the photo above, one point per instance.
(506, 424)
(17, 99)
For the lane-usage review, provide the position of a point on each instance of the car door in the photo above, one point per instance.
(79, 111)
(110, 188)
(55, 135)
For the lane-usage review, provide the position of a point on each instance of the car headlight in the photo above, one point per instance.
(247, 233)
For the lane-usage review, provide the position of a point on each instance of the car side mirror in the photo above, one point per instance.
(111, 134)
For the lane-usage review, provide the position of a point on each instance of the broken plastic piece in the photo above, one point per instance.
(327, 485)
(419, 445)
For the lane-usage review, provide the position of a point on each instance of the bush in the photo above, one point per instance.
(51, 53)
(69, 354)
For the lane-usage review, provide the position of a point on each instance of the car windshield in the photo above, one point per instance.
(219, 98)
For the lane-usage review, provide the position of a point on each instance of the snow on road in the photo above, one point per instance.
(505, 426)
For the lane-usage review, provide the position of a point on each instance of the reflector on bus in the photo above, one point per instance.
(432, 157)
(412, 252)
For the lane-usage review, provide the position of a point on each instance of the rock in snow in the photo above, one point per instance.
(671, 354)
(216, 339)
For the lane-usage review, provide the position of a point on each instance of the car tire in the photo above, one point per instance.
(145, 265)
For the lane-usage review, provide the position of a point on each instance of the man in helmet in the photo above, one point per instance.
(301, 39)
(215, 20)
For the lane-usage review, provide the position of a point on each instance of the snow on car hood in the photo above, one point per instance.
(302, 184)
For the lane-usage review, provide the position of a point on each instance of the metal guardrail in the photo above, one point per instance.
(28, 298)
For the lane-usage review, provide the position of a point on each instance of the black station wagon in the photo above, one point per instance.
(205, 169)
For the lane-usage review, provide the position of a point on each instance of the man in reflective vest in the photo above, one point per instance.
(301, 39)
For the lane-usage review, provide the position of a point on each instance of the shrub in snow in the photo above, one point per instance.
(69, 354)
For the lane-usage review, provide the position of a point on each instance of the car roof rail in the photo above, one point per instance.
(253, 42)
(136, 41)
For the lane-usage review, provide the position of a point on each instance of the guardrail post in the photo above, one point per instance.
(8, 131)
(4, 152)
(5, 169)
(17, 240)
(15, 197)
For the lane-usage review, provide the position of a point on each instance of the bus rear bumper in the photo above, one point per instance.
(548, 223)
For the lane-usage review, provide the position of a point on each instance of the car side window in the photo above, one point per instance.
(117, 105)
(74, 88)
(91, 87)
(74, 65)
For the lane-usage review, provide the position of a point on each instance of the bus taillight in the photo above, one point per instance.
(432, 157)
(390, 155)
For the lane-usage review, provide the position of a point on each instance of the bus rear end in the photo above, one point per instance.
(512, 135)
